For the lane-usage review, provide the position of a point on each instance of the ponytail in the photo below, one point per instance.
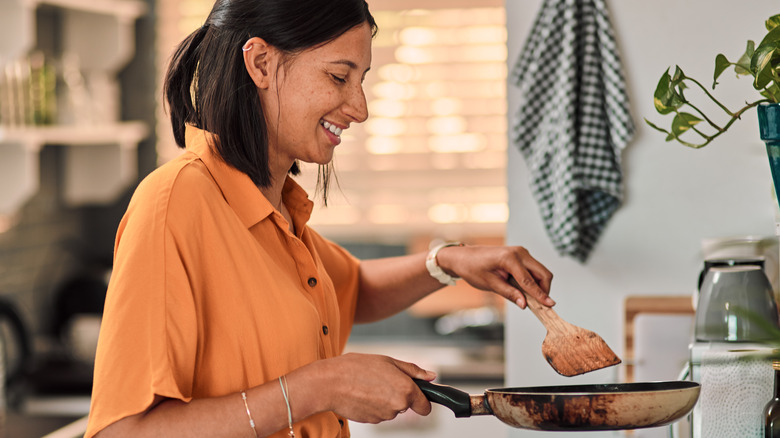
(179, 80)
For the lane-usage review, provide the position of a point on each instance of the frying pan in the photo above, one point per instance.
(574, 407)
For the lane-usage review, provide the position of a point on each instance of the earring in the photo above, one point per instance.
(246, 48)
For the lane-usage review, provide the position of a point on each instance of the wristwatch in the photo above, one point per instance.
(433, 266)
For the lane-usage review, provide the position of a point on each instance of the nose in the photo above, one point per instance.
(355, 106)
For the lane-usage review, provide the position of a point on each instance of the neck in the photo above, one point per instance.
(273, 194)
(279, 171)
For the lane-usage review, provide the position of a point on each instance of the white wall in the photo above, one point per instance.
(675, 196)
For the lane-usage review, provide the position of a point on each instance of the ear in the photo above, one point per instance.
(259, 60)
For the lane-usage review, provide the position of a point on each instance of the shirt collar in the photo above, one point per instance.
(240, 192)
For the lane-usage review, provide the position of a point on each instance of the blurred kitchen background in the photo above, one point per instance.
(81, 122)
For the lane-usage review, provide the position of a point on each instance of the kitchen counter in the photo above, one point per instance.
(16, 425)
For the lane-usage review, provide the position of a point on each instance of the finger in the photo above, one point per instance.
(542, 275)
(421, 405)
(537, 270)
(521, 302)
(526, 283)
(509, 289)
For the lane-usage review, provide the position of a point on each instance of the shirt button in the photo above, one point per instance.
(324, 330)
(312, 281)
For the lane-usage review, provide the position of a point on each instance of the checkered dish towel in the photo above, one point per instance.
(573, 121)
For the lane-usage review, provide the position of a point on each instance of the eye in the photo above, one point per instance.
(339, 79)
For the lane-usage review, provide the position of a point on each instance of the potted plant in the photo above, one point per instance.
(761, 63)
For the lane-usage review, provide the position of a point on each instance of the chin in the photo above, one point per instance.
(326, 158)
(322, 161)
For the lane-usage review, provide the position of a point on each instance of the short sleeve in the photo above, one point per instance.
(147, 343)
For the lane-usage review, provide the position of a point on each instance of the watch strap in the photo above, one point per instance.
(433, 266)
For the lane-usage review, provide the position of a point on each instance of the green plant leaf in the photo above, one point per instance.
(772, 37)
(774, 92)
(765, 59)
(742, 66)
(721, 64)
(683, 122)
(669, 135)
(766, 56)
(666, 99)
(678, 75)
(773, 22)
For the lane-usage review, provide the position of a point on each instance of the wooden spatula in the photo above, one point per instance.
(569, 349)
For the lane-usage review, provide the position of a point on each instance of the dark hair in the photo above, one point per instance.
(207, 84)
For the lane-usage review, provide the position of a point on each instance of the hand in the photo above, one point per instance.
(371, 388)
(489, 268)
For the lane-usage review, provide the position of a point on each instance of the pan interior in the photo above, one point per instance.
(609, 388)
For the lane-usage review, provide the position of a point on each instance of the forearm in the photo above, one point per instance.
(359, 387)
(226, 416)
(390, 285)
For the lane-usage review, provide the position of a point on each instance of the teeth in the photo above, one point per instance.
(331, 127)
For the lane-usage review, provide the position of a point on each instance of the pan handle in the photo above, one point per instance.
(457, 401)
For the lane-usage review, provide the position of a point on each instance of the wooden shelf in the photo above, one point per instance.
(100, 161)
(126, 134)
(126, 9)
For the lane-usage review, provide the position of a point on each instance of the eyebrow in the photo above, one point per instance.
(349, 64)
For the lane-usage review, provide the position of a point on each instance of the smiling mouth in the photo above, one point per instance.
(335, 130)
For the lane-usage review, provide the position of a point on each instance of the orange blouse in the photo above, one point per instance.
(211, 294)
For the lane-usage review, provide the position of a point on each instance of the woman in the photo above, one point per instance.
(226, 314)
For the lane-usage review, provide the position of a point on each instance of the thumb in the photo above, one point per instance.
(414, 371)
